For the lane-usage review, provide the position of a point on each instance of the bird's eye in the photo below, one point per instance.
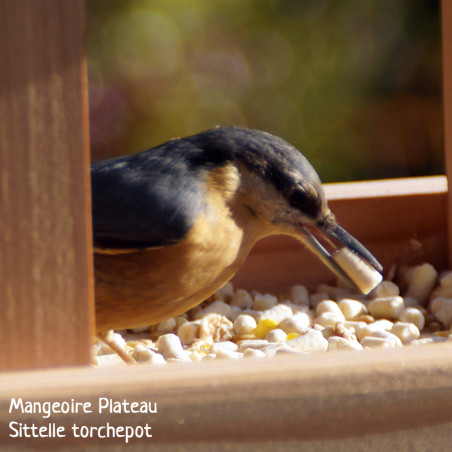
(297, 197)
(305, 199)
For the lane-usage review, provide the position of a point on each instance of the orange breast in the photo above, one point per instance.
(143, 287)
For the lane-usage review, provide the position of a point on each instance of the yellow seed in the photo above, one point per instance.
(263, 327)
(292, 336)
(445, 333)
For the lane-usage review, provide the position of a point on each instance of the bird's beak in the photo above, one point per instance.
(334, 234)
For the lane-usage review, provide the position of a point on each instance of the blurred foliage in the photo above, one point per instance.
(356, 86)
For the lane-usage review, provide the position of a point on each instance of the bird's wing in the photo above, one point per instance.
(145, 200)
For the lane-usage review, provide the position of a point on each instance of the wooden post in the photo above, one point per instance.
(447, 105)
(46, 288)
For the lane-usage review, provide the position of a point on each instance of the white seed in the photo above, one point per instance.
(202, 346)
(296, 308)
(217, 307)
(276, 335)
(423, 279)
(422, 341)
(244, 324)
(177, 361)
(252, 343)
(235, 312)
(360, 272)
(287, 351)
(339, 343)
(411, 302)
(141, 353)
(406, 332)
(226, 292)
(444, 315)
(196, 356)
(272, 349)
(188, 332)
(355, 327)
(377, 342)
(264, 302)
(382, 324)
(180, 320)
(372, 328)
(351, 308)
(439, 303)
(316, 298)
(256, 315)
(312, 341)
(299, 323)
(253, 353)
(228, 354)
(277, 313)
(170, 346)
(386, 289)
(167, 325)
(229, 346)
(388, 308)
(414, 316)
(343, 332)
(439, 291)
(327, 319)
(446, 280)
(329, 306)
(387, 335)
(110, 360)
(327, 332)
(215, 327)
(157, 359)
(299, 295)
(242, 299)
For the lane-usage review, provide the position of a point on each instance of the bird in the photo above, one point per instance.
(174, 223)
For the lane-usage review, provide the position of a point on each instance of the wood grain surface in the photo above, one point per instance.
(45, 258)
(401, 398)
(446, 10)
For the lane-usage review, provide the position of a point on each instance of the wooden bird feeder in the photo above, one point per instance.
(379, 400)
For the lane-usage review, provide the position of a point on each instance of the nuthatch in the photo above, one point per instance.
(174, 223)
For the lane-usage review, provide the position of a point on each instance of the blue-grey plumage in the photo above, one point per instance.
(152, 198)
(172, 224)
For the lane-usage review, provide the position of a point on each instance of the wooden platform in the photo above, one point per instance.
(374, 400)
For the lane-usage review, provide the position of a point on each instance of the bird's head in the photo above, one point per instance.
(282, 191)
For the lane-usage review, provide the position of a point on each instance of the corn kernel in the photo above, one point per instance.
(292, 336)
(263, 327)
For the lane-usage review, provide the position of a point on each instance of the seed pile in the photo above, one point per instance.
(236, 324)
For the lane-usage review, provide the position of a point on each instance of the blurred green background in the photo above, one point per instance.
(355, 85)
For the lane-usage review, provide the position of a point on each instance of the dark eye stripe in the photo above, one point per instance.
(305, 199)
